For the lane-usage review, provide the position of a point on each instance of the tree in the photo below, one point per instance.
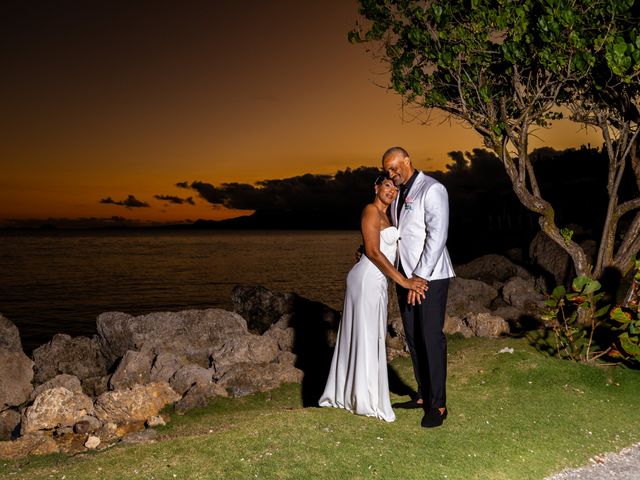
(509, 67)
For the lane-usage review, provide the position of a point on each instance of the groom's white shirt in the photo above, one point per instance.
(423, 226)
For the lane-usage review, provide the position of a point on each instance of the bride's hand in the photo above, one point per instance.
(417, 284)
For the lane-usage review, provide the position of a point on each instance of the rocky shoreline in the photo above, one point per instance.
(79, 393)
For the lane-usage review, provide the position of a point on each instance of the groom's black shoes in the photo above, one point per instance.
(408, 404)
(433, 418)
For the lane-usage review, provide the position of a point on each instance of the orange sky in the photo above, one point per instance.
(117, 100)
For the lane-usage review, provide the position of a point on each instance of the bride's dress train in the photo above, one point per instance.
(358, 379)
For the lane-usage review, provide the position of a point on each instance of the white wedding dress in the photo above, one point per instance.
(358, 379)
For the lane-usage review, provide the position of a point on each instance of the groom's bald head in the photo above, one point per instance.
(397, 164)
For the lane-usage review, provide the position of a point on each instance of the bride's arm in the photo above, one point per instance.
(370, 228)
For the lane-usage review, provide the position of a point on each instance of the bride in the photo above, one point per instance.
(358, 379)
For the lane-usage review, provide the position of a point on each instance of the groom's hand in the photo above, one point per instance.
(414, 297)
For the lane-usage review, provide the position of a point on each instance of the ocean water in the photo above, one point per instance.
(59, 281)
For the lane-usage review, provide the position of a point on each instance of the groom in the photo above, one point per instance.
(421, 214)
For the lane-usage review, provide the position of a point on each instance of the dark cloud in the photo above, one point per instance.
(310, 192)
(129, 202)
(183, 185)
(175, 200)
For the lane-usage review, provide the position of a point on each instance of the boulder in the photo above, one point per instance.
(96, 386)
(188, 376)
(491, 269)
(157, 421)
(239, 349)
(30, 444)
(54, 408)
(70, 442)
(193, 334)
(108, 433)
(248, 378)
(134, 368)
(145, 436)
(136, 404)
(16, 373)
(199, 395)
(165, 365)
(509, 313)
(476, 324)
(70, 382)
(92, 442)
(521, 293)
(9, 424)
(553, 260)
(466, 295)
(87, 424)
(78, 356)
(261, 307)
(283, 333)
(9, 335)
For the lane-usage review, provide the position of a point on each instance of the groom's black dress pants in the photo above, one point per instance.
(423, 324)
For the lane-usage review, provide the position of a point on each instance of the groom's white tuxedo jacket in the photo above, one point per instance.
(423, 225)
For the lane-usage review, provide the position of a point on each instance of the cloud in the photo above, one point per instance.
(129, 202)
(305, 193)
(176, 200)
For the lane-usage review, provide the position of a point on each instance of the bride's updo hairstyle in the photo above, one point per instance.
(379, 179)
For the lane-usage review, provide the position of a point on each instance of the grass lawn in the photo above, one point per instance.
(511, 416)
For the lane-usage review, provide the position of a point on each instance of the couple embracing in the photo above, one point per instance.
(404, 231)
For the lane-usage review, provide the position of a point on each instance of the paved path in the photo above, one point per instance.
(624, 465)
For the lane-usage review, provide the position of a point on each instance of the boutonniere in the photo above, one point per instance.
(408, 203)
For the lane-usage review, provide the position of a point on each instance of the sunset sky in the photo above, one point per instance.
(103, 100)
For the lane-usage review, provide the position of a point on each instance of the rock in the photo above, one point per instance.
(9, 335)
(165, 365)
(491, 269)
(554, 260)
(16, 373)
(129, 427)
(261, 307)
(92, 442)
(70, 382)
(188, 376)
(509, 313)
(247, 378)
(107, 432)
(521, 293)
(134, 368)
(551, 258)
(70, 442)
(247, 348)
(56, 407)
(146, 436)
(288, 358)
(467, 295)
(199, 395)
(87, 424)
(9, 424)
(78, 356)
(284, 337)
(156, 421)
(487, 325)
(476, 325)
(192, 334)
(30, 444)
(135, 404)
(96, 386)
